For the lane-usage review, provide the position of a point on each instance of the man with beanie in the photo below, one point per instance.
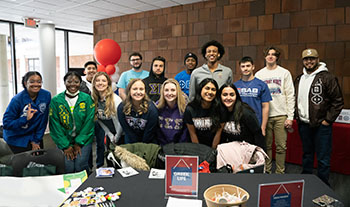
(212, 52)
(184, 76)
(156, 78)
(319, 101)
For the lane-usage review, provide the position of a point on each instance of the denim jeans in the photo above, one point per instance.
(319, 140)
(81, 162)
(100, 147)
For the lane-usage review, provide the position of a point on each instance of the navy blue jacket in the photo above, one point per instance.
(139, 128)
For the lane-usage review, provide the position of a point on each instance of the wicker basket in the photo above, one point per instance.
(209, 194)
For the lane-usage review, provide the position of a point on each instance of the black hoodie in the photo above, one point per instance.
(154, 84)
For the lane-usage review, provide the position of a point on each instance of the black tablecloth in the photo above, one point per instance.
(140, 191)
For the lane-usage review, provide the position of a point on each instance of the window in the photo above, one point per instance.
(27, 51)
(33, 64)
(6, 78)
(60, 61)
(80, 49)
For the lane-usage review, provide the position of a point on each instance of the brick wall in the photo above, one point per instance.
(244, 27)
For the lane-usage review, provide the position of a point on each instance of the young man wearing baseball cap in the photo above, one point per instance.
(184, 76)
(319, 101)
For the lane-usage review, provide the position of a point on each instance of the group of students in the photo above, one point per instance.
(201, 105)
(72, 115)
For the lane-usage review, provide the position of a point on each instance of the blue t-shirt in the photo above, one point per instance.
(127, 76)
(184, 80)
(254, 93)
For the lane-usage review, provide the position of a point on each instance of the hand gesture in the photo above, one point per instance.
(30, 112)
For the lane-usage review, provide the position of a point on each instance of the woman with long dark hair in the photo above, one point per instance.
(72, 123)
(240, 122)
(137, 114)
(25, 118)
(202, 115)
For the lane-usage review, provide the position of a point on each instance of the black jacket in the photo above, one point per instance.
(154, 84)
(203, 152)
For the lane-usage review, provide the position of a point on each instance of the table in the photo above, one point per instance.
(140, 191)
(340, 159)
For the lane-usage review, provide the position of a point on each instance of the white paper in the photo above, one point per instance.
(183, 202)
(344, 116)
(127, 172)
(37, 191)
(156, 174)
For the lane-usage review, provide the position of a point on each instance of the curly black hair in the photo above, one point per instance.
(215, 43)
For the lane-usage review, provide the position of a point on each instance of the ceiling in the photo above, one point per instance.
(78, 15)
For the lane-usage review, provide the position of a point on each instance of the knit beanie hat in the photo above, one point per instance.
(190, 54)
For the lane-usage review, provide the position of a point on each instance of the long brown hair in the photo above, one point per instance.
(110, 105)
(180, 99)
(128, 100)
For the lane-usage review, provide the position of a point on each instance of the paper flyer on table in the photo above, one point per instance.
(183, 202)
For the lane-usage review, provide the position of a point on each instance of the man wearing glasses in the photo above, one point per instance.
(135, 72)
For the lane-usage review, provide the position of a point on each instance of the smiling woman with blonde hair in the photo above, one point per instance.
(137, 114)
(106, 103)
(171, 107)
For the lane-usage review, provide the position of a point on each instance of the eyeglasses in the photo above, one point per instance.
(35, 81)
(135, 60)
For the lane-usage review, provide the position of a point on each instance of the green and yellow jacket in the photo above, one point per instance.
(62, 121)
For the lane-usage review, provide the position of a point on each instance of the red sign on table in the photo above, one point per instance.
(281, 194)
(181, 175)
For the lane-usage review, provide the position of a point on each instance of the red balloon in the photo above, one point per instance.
(110, 69)
(107, 52)
(101, 68)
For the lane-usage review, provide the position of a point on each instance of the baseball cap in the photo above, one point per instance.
(310, 53)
